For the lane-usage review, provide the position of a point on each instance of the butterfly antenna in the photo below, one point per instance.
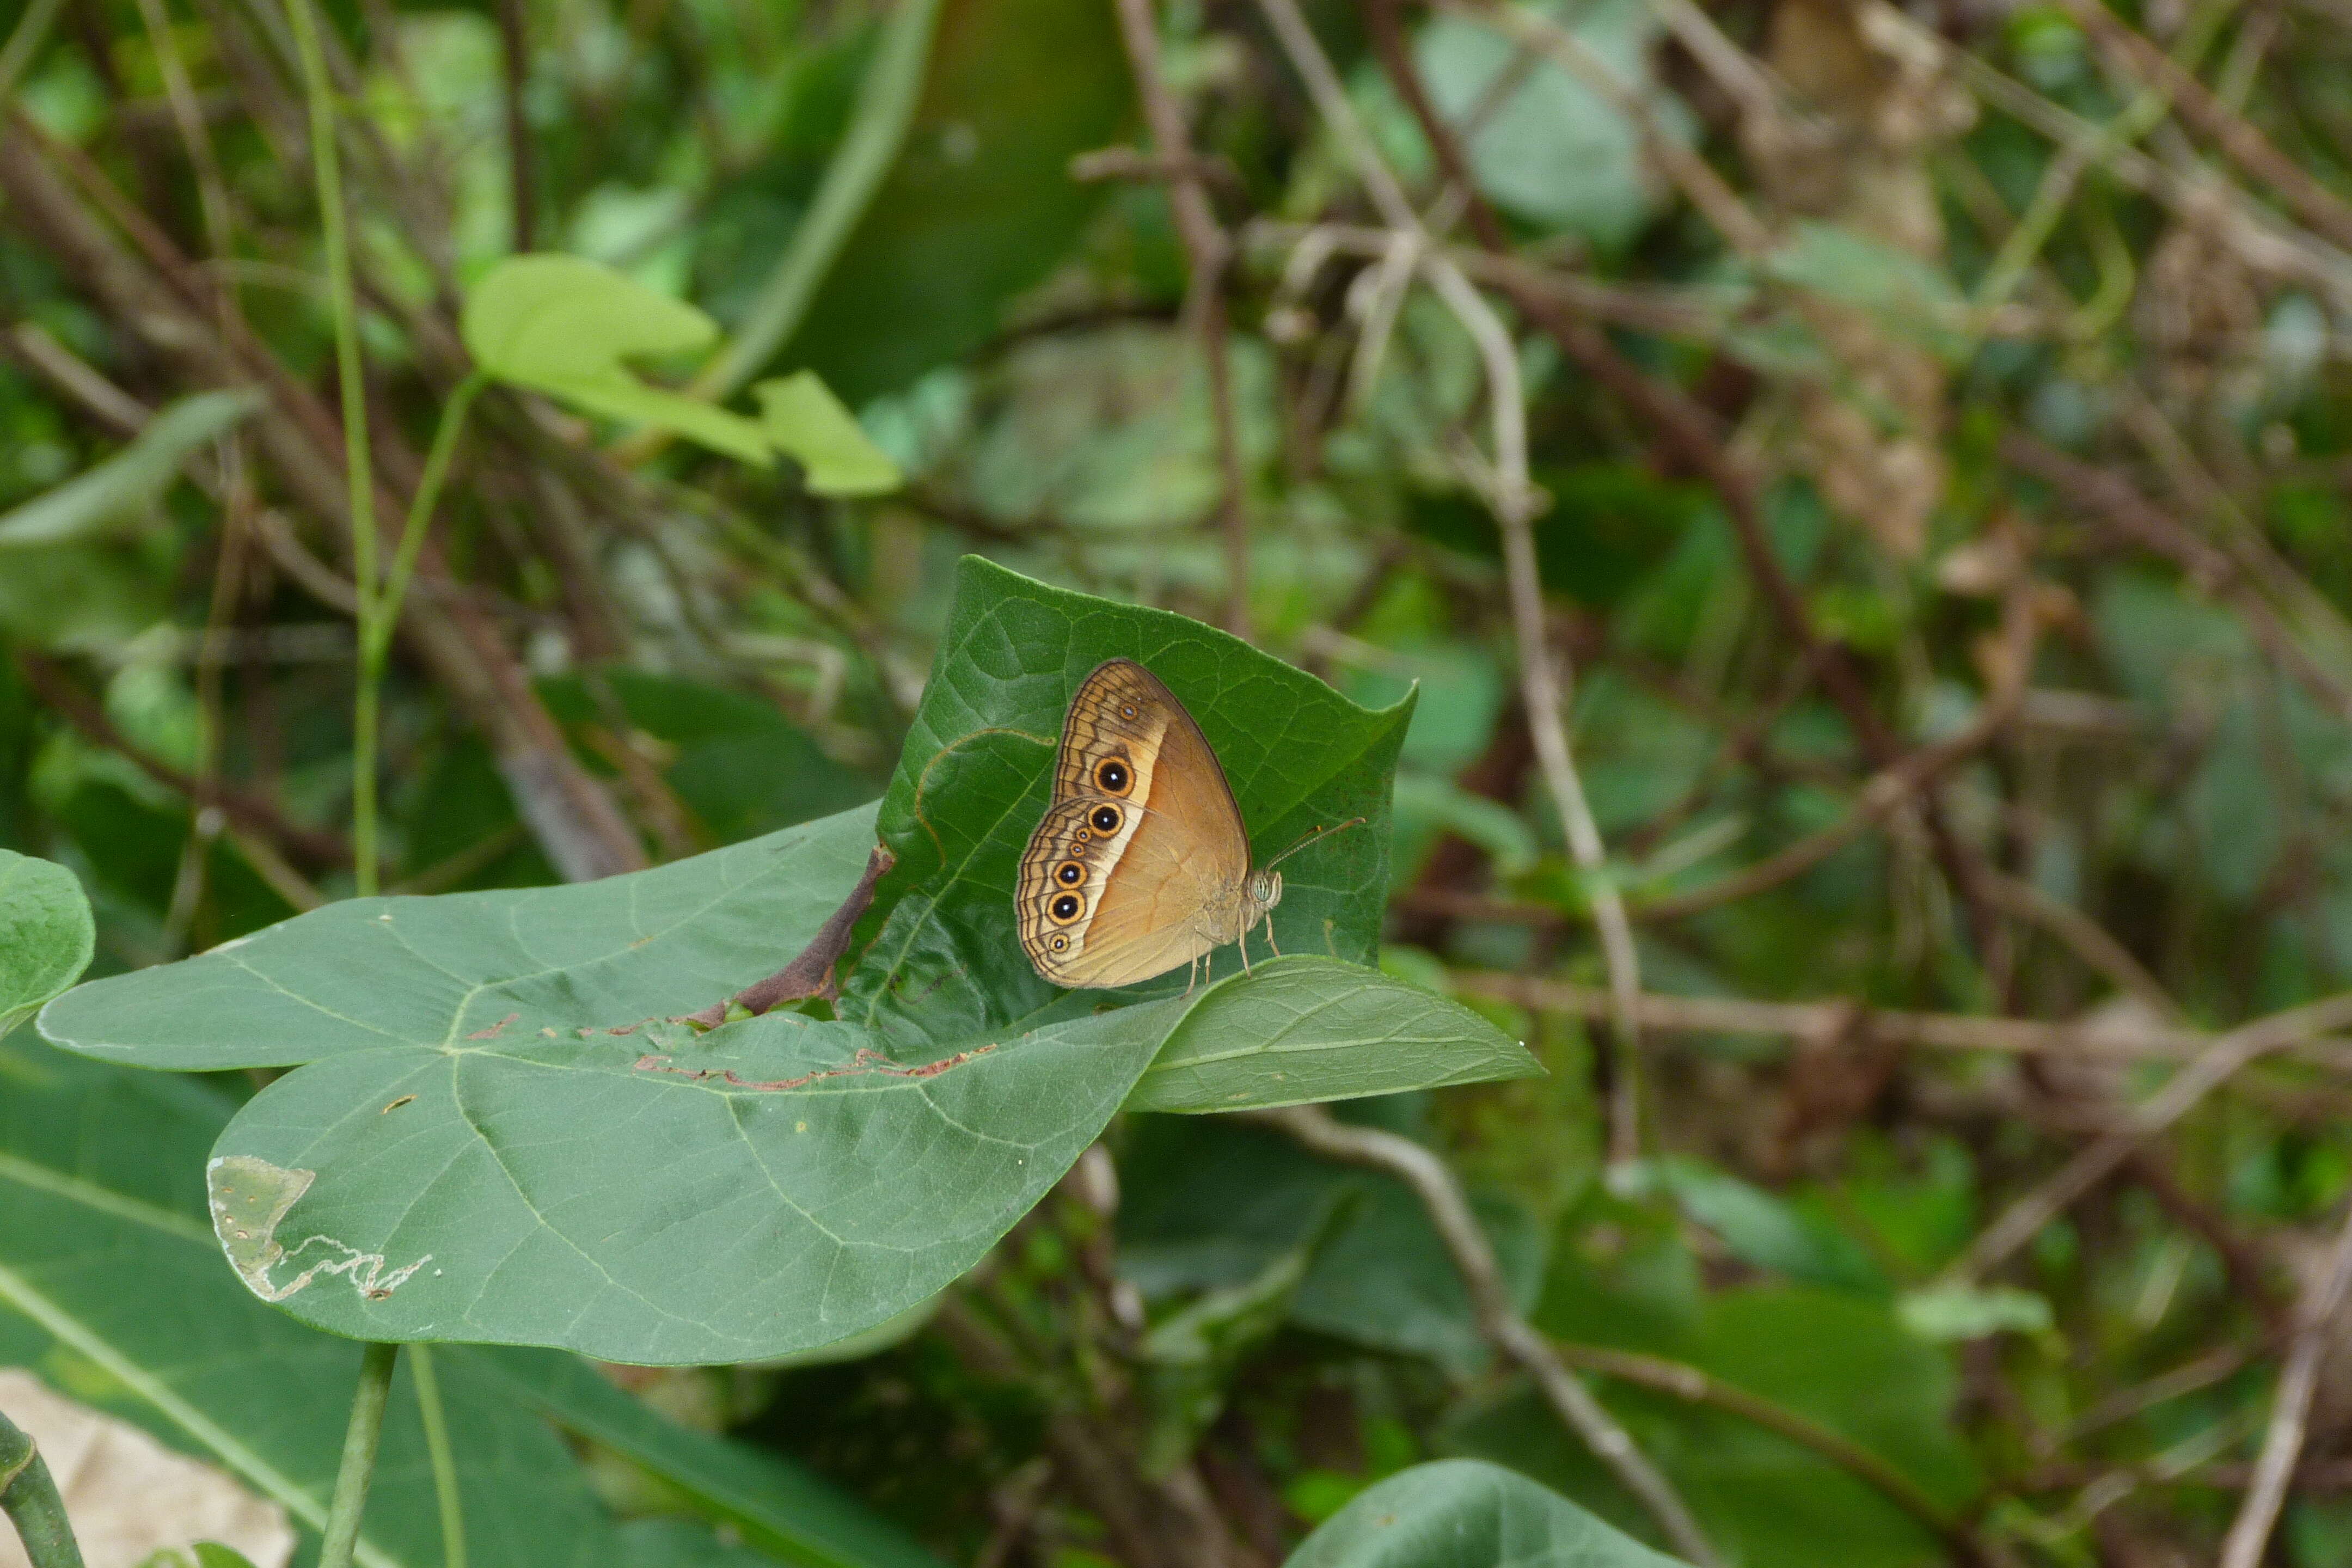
(1312, 834)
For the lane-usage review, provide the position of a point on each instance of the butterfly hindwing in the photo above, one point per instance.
(1140, 862)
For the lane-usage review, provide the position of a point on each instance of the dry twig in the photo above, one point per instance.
(2250, 1532)
(1514, 502)
(1207, 252)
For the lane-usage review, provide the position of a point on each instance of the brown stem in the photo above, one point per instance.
(2216, 1063)
(2252, 151)
(58, 690)
(2250, 1532)
(811, 973)
(514, 48)
(2115, 502)
(1207, 253)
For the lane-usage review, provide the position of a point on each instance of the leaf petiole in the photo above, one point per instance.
(358, 1467)
(28, 1495)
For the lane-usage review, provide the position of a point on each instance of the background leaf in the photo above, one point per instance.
(46, 934)
(125, 487)
(808, 424)
(980, 204)
(1461, 1513)
(562, 325)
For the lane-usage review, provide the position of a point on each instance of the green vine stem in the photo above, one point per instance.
(378, 635)
(437, 1450)
(28, 1495)
(358, 1467)
(326, 167)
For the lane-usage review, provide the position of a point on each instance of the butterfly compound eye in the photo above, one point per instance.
(1113, 775)
(1105, 819)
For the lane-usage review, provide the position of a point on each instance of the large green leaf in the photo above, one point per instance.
(46, 934)
(464, 1154)
(1465, 1514)
(489, 1072)
(112, 1290)
(937, 964)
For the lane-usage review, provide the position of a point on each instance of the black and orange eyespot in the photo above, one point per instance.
(1081, 836)
(1113, 775)
(1061, 942)
(1106, 819)
(1126, 710)
(1069, 873)
(1065, 908)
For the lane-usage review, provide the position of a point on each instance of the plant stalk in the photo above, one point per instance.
(358, 1467)
(326, 168)
(438, 1453)
(28, 1495)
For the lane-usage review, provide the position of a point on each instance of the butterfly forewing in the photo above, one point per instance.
(1141, 861)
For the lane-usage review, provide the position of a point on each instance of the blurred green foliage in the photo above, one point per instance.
(1971, 377)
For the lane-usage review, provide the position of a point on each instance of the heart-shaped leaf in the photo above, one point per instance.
(808, 425)
(563, 325)
(938, 964)
(1467, 1514)
(501, 1135)
(46, 934)
(499, 1139)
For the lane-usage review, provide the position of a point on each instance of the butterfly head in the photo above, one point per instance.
(1265, 888)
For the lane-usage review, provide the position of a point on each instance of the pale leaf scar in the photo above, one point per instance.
(249, 1198)
(867, 1060)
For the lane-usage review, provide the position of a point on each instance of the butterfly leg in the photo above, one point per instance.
(1245, 947)
(1191, 976)
(1269, 937)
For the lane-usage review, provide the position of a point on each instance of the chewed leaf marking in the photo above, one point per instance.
(492, 1032)
(250, 1197)
(867, 1060)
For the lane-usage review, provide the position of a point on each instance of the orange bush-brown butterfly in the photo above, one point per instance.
(1141, 862)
